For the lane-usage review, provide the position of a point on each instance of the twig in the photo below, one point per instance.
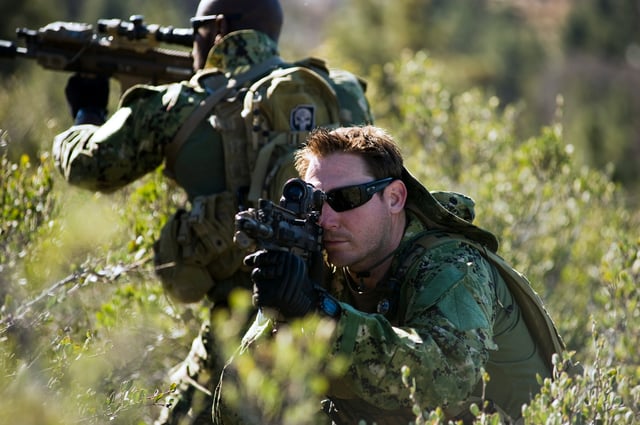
(110, 273)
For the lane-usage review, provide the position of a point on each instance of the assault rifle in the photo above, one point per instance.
(129, 51)
(292, 225)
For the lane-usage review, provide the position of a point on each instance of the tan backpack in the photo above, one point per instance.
(263, 115)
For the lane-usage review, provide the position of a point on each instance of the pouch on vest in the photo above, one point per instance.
(196, 248)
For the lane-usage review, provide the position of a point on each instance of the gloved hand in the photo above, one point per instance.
(89, 94)
(281, 281)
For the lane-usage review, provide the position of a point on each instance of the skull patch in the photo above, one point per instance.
(302, 118)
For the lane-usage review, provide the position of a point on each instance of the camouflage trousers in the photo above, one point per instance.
(198, 374)
(195, 378)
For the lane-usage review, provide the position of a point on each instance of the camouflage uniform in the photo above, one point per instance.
(455, 316)
(445, 315)
(133, 142)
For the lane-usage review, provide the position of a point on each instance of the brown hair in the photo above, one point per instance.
(378, 149)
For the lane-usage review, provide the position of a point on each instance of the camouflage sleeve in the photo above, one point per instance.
(445, 338)
(130, 144)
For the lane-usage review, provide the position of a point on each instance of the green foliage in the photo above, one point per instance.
(595, 397)
(554, 218)
(26, 203)
(588, 51)
(150, 202)
(602, 102)
(603, 27)
(25, 136)
(86, 334)
(66, 340)
(85, 326)
(283, 379)
(480, 43)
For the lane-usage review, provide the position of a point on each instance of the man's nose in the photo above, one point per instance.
(328, 217)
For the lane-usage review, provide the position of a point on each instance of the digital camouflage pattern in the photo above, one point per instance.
(241, 50)
(454, 316)
(456, 203)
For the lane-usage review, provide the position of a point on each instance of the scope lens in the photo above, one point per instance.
(294, 190)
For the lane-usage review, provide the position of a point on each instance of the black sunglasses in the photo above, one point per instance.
(199, 21)
(350, 197)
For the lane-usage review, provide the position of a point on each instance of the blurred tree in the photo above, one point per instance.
(304, 25)
(483, 42)
(600, 81)
(523, 51)
(22, 14)
(604, 28)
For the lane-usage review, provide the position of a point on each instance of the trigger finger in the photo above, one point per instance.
(252, 260)
(262, 273)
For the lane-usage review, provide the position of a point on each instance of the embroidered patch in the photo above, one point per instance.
(303, 118)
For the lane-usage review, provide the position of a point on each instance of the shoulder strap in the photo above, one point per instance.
(265, 140)
(205, 107)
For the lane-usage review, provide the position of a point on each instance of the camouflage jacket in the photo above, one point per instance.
(132, 141)
(454, 316)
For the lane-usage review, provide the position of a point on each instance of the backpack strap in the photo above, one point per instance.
(265, 141)
(205, 107)
(258, 176)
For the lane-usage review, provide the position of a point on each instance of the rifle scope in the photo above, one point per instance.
(136, 29)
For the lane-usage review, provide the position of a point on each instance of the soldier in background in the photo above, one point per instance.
(201, 149)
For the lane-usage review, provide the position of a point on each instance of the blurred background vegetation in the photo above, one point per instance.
(528, 106)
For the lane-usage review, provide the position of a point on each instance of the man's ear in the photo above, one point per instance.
(396, 195)
(221, 27)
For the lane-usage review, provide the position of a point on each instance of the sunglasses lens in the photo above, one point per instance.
(350, 197)
(200, 21)
(346, 198)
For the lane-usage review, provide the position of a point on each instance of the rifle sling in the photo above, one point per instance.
(205, 107)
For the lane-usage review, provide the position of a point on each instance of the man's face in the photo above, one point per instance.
(207, 32)
(357, 238)
(203, 40)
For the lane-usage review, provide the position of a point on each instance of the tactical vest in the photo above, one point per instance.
(445, 225)
(540, 324)
(240, 139)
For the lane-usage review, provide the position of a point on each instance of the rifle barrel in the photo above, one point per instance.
(129, 51)
(9, 49)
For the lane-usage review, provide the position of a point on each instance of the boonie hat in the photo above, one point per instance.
(433, 214)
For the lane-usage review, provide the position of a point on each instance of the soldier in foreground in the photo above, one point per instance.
(410, 282)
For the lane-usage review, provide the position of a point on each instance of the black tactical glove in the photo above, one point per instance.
(281, 281)
(87, 98)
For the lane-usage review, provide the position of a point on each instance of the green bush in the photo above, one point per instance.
(87, 334)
